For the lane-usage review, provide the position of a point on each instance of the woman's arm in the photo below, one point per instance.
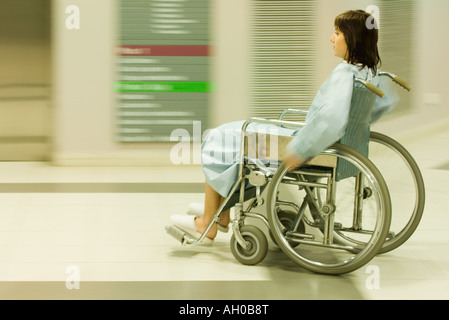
(328, 115)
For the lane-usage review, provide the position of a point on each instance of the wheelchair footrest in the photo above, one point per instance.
(176, 232)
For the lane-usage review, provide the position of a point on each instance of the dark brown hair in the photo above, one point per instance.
(360, 39)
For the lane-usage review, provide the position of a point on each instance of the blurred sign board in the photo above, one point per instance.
(162, 68)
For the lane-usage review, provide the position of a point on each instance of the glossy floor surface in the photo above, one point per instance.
(102, 229)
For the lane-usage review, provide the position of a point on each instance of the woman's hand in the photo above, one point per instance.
(293, 161)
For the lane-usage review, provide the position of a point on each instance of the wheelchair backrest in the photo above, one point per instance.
(357, 132)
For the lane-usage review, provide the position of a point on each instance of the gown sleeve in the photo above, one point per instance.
(389, 100)
(328, 116)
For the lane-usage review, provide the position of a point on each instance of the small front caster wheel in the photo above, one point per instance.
(257, 246)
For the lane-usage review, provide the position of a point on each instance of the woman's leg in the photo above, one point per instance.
(212, 201)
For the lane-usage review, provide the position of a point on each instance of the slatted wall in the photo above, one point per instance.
(283, 51)
(282, 56)
(397, 33)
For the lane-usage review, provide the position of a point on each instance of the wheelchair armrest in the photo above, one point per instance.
(271, 121)
(272, 147)
(293, 111)
(244, 146)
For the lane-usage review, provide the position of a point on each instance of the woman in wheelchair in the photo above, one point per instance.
(326, 121)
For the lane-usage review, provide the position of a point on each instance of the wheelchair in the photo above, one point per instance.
(333, 214)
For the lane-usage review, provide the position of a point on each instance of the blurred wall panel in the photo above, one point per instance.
(283, 56)
(85, 70)
(163, 59)
(398, 27)
(25, 79)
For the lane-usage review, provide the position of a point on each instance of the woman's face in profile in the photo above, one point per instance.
(340, 47)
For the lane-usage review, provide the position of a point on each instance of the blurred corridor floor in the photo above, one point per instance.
(107, 226)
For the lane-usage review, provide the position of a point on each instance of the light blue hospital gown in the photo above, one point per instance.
(325, 124)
